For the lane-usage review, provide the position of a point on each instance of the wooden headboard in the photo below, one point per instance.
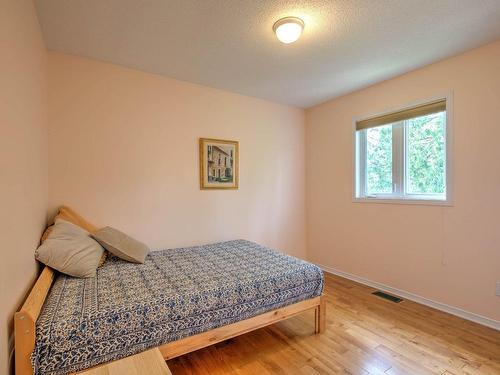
(25, 321)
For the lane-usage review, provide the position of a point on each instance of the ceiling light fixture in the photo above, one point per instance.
(288, 29)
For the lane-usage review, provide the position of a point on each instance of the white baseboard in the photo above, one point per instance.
(492, 323)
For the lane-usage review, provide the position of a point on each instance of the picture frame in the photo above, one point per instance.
(219, 164)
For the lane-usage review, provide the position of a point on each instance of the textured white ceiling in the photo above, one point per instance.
(229, 44)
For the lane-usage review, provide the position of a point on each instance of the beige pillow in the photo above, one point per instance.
(121, 245)
(67, 214)
(69, 249)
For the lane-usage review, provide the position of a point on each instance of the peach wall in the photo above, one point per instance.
(447, 254)
(124, 153)
(23, 158)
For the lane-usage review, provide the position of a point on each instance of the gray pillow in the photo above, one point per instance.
(70, 250)
(121, 245)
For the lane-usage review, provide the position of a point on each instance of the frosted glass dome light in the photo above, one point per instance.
(288, 29)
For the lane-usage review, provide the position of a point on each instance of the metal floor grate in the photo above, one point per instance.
(388, 297)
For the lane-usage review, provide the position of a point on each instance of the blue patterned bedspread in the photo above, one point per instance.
(129, 307)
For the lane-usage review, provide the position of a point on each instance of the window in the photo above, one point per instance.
(404, 155)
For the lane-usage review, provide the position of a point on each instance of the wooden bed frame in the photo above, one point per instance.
(25, 325)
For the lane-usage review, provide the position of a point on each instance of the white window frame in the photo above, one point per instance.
(399, 156)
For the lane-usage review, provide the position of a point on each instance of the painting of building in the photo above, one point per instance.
(218, 164)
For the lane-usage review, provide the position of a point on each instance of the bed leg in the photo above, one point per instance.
(25, 319)
(24, 331)
(320, 316)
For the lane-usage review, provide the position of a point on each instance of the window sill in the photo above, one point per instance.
(422, 202)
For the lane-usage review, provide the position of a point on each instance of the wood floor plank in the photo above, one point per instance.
(364, 335)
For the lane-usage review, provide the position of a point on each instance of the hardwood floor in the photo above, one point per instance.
(364, 335)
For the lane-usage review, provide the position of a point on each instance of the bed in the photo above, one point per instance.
(179, 300)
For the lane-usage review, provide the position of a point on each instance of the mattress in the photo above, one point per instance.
(128, 308)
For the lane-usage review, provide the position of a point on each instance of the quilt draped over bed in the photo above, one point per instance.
(128, 308)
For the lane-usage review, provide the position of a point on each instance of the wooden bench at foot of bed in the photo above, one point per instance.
(149, 362)
(25, 331)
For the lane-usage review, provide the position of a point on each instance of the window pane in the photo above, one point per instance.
(379, 160)
(426, 154)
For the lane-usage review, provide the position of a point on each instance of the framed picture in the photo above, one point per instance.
(219, 161)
